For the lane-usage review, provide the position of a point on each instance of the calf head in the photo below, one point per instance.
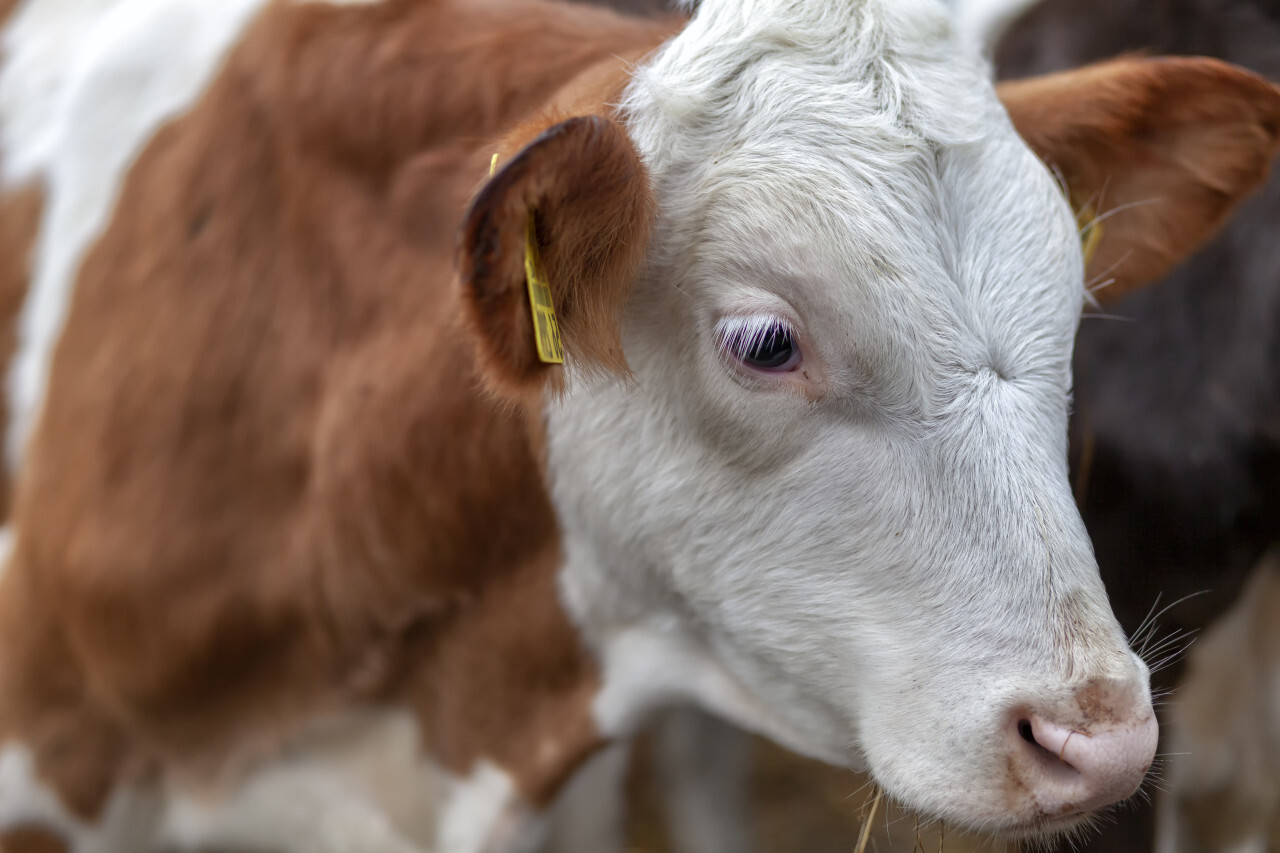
(808, 451)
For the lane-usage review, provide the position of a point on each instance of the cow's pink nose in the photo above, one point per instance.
(1070, 771)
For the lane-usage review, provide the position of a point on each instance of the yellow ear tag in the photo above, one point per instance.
(1090, 233)
(546, 329)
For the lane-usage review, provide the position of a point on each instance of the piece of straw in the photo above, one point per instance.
(866, 827)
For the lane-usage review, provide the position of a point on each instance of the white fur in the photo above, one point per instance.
(127, 822)
(355, 785)
(484, 814)
(653, 665)
(23, 797)
(77, 112)
(874, 559)
(358, 784)
(41, 44)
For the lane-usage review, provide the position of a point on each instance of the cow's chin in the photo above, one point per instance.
(1036, 832)
(1041, 833)
(1019, 818)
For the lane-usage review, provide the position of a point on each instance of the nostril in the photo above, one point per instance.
(1049, 739)
(1045, 745)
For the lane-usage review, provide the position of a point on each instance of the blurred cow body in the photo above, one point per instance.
(312, 551)
(1223, 780)
(223, 624)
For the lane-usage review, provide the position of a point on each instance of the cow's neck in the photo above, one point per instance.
(465, 625)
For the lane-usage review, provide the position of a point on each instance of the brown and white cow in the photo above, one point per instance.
(311, 550)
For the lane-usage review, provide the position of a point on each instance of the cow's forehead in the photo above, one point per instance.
(883, 72)
(867, 157)
(903, 311)
(962, 256)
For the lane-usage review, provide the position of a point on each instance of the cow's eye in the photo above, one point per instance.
(760, 343)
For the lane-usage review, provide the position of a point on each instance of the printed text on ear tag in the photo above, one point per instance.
(546, 330)
(1090, 233)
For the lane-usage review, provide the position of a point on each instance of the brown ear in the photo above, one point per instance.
(589, 193)
(1159, 149)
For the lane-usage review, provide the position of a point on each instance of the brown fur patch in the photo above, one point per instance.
(7, 8)
(30, 840)
(1168, 145)
(267, 483)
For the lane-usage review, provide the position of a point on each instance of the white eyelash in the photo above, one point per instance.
(742, 335)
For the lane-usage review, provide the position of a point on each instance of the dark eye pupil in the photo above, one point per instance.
(773, 349)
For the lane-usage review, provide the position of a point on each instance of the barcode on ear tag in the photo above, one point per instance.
(546, 331)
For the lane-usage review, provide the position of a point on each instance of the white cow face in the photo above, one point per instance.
(843, 458)
(831, 499)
